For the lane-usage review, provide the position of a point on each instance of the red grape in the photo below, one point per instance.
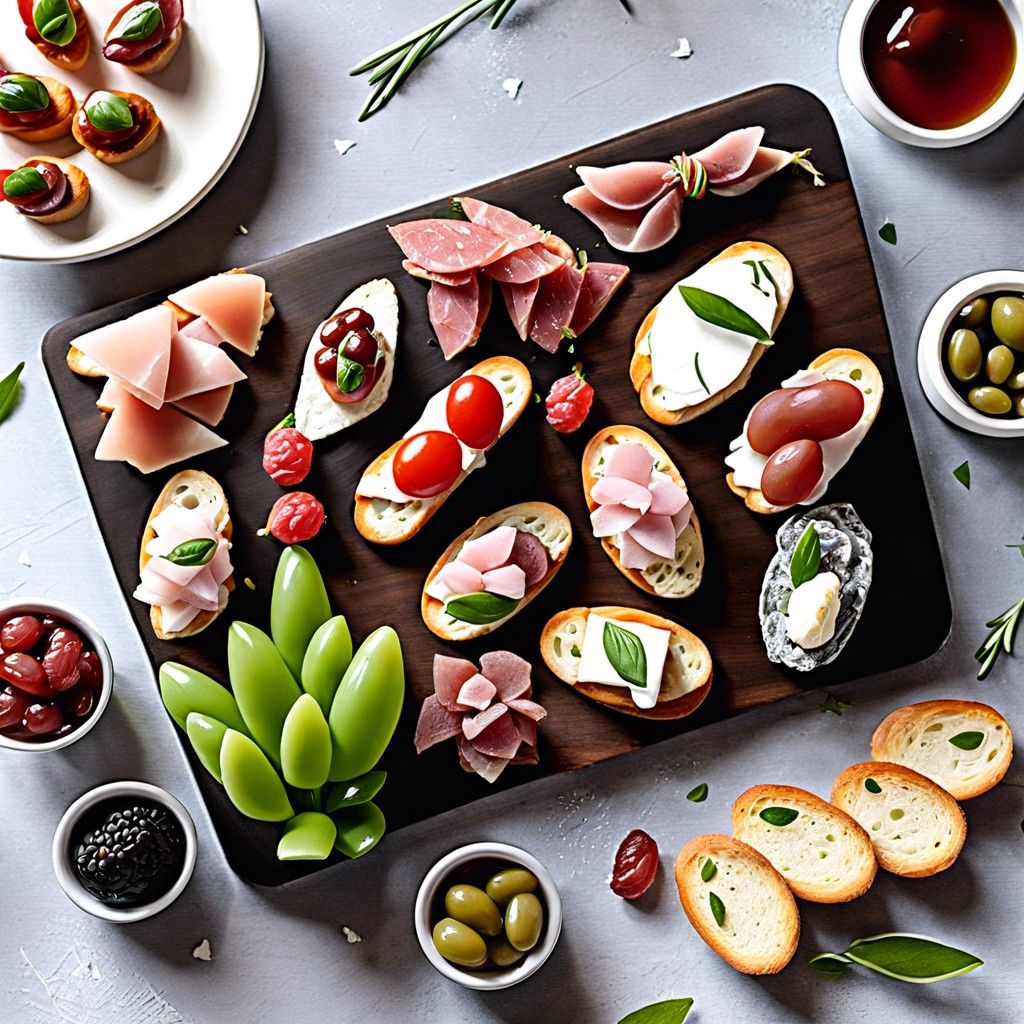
(24, 672)
(60, 662)
(818, 411)
(21, 633)
(636, 864)
(43, 718)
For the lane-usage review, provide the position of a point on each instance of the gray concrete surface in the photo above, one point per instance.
(590, 71)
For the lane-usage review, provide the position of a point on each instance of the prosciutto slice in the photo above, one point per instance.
(555, 305)
(196, 366)
(208, 406)
(507, 225)
(124, 50)
(452, 280)
(519, 301)
(729, 157)
(457, 314)
(600, 282)
(524, 265)
(631, 186)
(436, 724)
(449, 246)
(232, 304)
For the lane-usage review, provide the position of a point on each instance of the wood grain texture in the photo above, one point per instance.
(836, 304)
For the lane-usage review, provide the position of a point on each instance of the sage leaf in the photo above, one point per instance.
(968, 740)
(626, 654)
(139, 22)
(913, 958)
(21, 94)
(887, 232)
(54, 21)
(806, 560)
(24, 182)
(670, 1011)
(481, 609)
(871, 786)
(835, 705)
(10, 389)
(193, 552)
(719, 311)
(963, 474)
(779, 816)
(698, 794)
(708, 870)
(350, 375)
(108, 112)
(717, 908)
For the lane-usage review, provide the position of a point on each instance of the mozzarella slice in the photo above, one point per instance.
(813, 608)
(596, 667)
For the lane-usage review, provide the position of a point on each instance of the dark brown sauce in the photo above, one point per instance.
(939, 63)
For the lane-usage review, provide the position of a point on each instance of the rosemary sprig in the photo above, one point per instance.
(392, 65)
(1000, 639)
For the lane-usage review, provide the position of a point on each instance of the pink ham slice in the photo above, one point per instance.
(529, 553)
(616, 490)
(630, 461)
(457, 314)
(177, 616)
(633, 555)
(488, 768)
(667, 498)
(509, 673)
(231, 303)
(506, 581)
(555, 305)
(150, 439)
(558, 247)
(500, 738)
(766, 162)
(630, 186)
(201, 330)
(449, 246)
(609, 520)
(731, 155)
(630, 230)
(135, 352)
(452, 280)
(490, 550)
(196, 367)
(524, 265)
(527, 731)
(529, 708)
(473, 725)
(520, 300)
(600, 282)
(449, 675)
(682, 518)
(656, 534)
(460, 578)
(208, 406)
(477, 692)
(436, 724)
(518, 232)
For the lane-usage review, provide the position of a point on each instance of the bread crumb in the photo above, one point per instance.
(343, 145)
(512, 87)
(351, 935)
(684, 50)
(25, 560)
(202, 951)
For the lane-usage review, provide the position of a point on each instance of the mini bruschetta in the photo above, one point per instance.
(641, 513)
(494, 569)
(46, 189)
(115, 126)
(184, 562)
(684, 364)
(797, 438)
(144, 36)
(58, 29)
(404, 486)
(35, 108)
(628, 660)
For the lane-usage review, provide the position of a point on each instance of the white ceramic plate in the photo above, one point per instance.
(205, 97)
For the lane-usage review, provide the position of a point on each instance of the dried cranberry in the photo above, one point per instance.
(81, 699)
(13, 706)
(296, 517)
(569, 401)
(287, 456)
(43, 718)
(24, 672)
(21, 633)
(636, 864)
(90, 668)
(60, 663)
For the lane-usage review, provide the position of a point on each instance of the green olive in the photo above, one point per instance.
(965, 355)
(502, 953)
(1018, 405)
(524, 919)
(459, 944)
(510, 882)
(1008, 321)
(999, 364)
(973, 314)
(993, 401)
(472, 906)
(1015, 382)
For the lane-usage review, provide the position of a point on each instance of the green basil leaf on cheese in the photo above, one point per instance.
(967, 740)
(708, 870)
(779, 816)
(350, 375)
(626, 654)
(22, 94)
(193, 552)
(108, 112)
(717, 908)
(806, 560)
(481, 609)
(54, 21)
(139, 22)
(871, 786)
(721, 312)
(698, 794)
(25, 181)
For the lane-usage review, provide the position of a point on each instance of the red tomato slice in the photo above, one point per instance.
(475, 411)
(427, 464)
(4, 174)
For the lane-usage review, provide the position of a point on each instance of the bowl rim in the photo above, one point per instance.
(493, 980)
(84, 624)
(862, 94)
(939, 392)
(60, 856)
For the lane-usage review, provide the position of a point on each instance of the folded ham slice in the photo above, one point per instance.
(600, 282)
(555, 305)
(208, 406)
(524, 265)
(449, 246)
(196, 366)
(504, 223)
(233, 304)
(457, 314)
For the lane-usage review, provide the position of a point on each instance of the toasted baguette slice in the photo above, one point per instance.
(76, 53)
(823, 854)
(640, 364)
(150, 129)
(920, 736)
(190, 488)
(761, 927)
(915, 826)
(153, 60)
(835, 364)
(548, 524)
(678, 578)
(685, 682)
(78, 183)
(62, 110)
(382, 521)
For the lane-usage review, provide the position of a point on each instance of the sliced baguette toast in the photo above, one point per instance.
(548, 524)
(118, 154)
(640, 364)
(760, 928)
(920, 736)
(915, 826)
(62, 110)
(823, 854)
(835, 364)
(190, 488)
(675, 579)
(392, 522)
(78, 183)
(685, 682)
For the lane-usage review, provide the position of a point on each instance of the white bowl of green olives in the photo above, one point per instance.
(971, 354)
(488, 915)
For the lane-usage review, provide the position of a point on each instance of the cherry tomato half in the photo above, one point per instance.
(792, 473)
(475, 411)
(427, 464)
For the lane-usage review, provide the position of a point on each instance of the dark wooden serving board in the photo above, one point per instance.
(836, 304)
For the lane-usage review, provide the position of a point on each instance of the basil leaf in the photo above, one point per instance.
(708, 870)
(359, 790)
(887, 232)
(108, 112)
(626, 653)
(698, 794)
(350, 375)
(24, 182)
(139, 22)
(717, 908)
(779, 816)
(54, 21)
(967, 740)
(835, 705)
(10, 389)
(831, 965)
(913, 958)
(481, 609)
(193, 552)
(806, 560)
(871, 786)
(963, 474)
(22, 94)
(718, 310)
(288, 421)
(669, 1011)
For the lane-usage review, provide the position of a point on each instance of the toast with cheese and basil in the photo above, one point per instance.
(61, 109)
(654, 398)
(686, 675)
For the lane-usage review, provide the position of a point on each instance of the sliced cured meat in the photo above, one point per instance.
(682, 518)
(232, 304)
(630, 230)
(201, 330)
(667, 498)
(196, 366)
(490, 550)
(150, 439)
(453, 280)
(531, 709)
(608, 520)
(488, 768)
(477, 692)
(436, 724)
(460, 578)
(509, 673)
(555, 304)
(518, 232)
(629, 186)
(449, 675)
(728, 157)
(457, 314)
(175, 617)
(766, 162)
(630, 461)
(633, 555)
(500, 738)
(473, 725)
(524, 265)
(600, 282)
(520, 300)
(136, 352)
(656, 534)
(529, 553)
(506, 581)
(208, 406)
(616, 490)
(110, 395)
(527, 732)
(126, 50)
(558, 246)
(449, 246)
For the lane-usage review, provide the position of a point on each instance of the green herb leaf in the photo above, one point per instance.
(779, 816)
(835, 705)
(670, 1011)
(350, 375)
(568, 334)
(581, 259)
(718, 310)
(481, 609)
(24, 182)
(717, 908)
(193, 552)
(10, 389)
(108, 112)
(968, 740)
(871, 786)
(708, 870)
(700, 376)
(1004, 629)
(575, 651)
(1017, 547)
(913, 958)
(698, 794)
(806, 560)
(756, 283)
(21, 94)
(963, 474)
(763, 264)
(831, 965)
(288, 421)
(139, 22)
(54, 21)
(355, 791)
(626, 653)
(887, 232)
